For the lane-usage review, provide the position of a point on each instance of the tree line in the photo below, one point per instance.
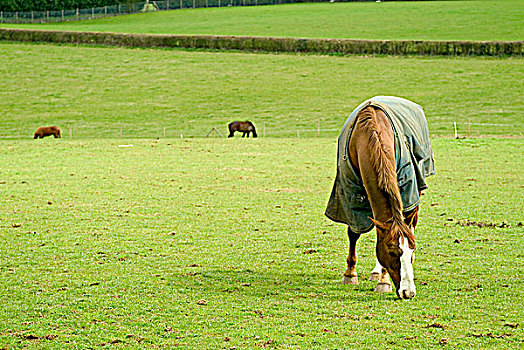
(55, 5)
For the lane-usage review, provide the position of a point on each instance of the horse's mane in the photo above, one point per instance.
(383, 162)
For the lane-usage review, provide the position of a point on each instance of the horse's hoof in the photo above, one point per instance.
(375, 276)
(383, 288)
(350, 280)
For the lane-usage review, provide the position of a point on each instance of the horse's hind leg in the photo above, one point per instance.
(384, 283)
(350, 276)
(244, 134)
(377, 271)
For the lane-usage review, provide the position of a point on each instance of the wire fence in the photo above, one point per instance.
(158, 131)
(126, 9)
(87, 131)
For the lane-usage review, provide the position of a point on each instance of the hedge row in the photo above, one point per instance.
(264, 44)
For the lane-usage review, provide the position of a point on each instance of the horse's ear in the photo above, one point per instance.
(381, 225)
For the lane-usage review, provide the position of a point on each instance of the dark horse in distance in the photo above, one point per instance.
(384, 155)
(44, 131)
(244, 127)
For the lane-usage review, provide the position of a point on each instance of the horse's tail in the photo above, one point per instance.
(231, 128)
(384, 165)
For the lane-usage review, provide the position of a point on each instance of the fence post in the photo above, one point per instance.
(207, 5)
(47, 16)
(92, 12)
(105, 11)
(62, 15)
(1, 16)
(119, 10)
(16, 16)
(264, 131)
(164, 132)
(181, 4)
(318, 129)
(77, 13)
(167, 5)
(32, 17)
(193, 3)
(218, 3)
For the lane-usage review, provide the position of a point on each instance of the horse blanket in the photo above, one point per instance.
(348, 203)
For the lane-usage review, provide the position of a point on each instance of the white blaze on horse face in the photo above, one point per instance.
(407, 284)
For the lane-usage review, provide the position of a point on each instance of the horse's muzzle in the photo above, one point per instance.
(406, 294)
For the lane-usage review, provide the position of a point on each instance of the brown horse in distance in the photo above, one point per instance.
(44, 131)
(244, 127)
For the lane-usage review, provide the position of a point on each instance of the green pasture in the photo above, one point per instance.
(426, 20)
(107, 92)
(222, 244)
(134, 231)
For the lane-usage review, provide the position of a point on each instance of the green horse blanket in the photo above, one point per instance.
(348, 203)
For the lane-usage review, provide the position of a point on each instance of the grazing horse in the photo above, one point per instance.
(44, 131)
(245, 127)
(384, 155)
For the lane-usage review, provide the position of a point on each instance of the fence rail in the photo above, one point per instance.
(159, 131)
(129, 132)
(126, 9)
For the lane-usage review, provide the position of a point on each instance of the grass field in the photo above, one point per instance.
(97, 92)
(426, 20)
(220, 243)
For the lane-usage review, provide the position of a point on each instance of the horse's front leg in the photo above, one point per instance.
(350, 276)
(243, 134)
(384, 283)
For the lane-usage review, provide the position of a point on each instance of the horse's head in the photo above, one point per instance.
(395, 252)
